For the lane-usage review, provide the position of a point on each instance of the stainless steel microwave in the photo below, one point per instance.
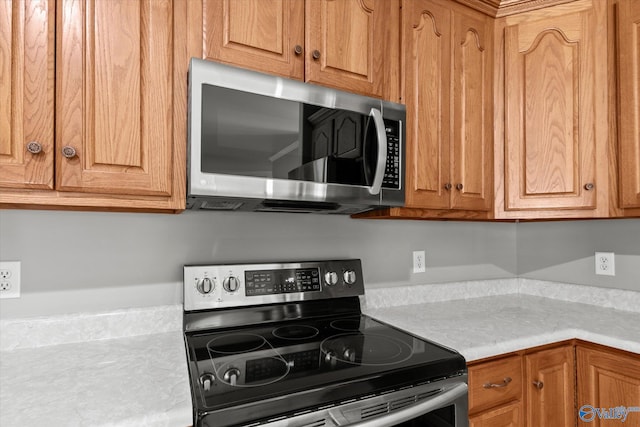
(259, 142)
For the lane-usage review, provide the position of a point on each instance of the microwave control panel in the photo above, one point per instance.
(392, 169)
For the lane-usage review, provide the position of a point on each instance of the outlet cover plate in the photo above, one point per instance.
(605, 263)
(419, 262)
(9, 279)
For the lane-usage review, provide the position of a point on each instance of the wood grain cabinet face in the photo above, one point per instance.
(552, 91)
(27, 42)
(608, 380)
(347, 44)
(114, 96)
(495, 383)
(550, 387)
(448, 90)
(628, 27)
(504, 416)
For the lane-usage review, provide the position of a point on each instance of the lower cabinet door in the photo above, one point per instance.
(504, 416)
(550, 388)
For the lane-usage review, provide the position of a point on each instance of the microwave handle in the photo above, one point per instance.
(414, 411)
(381, 134)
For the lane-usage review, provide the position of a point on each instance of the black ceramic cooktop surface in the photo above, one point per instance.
(309, 363)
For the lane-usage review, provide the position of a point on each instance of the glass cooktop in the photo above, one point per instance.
(313, 362)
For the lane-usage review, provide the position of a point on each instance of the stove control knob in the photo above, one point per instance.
(231, 284)
(331, 278)
(206, 381)
(205, 286)
(231, 376)
(349, 277)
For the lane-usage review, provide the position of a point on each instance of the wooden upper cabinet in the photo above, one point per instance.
(263, 35)
(607, 379)
(628, 21)
(448, 81)
(472, 73)
(114, 127)
(351, 45)
(348, 43)
(427, 43)
(554, 139)
(27, 42)
(550, 387)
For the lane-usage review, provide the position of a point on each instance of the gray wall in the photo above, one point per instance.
(564, 251)
(87, 261)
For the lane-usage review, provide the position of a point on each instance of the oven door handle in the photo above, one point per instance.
(416, 410)
(381, 138)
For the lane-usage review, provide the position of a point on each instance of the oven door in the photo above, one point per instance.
(446, 409)
(436, 404)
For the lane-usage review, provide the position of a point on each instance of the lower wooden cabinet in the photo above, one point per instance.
(607, 379)
(533, 388)
(550, 387)
(503, 416)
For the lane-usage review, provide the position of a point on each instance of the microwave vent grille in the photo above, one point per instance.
(221, 205)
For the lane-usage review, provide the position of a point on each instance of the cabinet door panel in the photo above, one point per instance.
(629, 112)
(26, 92)
(550, 391)
(256, 34)
(351, 37)
(114, 96)
(504, 416)
(427, 41)
(550, 114)
(607, 380)
(472, 166)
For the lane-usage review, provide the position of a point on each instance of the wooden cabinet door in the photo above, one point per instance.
(607, 380)
(27, 44)
(550, 388)
(257, 34)
(503, 416)
(551, 94)
(427, 44)
(114, 101)
(349, 43)
(472, 112)
(628, 21)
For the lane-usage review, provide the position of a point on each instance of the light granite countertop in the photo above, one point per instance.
(128, 367)
(124, 375)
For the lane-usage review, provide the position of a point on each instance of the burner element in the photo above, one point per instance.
(295, 332)
(365, 349)
(236, 343)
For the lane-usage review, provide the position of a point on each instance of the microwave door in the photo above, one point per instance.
(375, 159)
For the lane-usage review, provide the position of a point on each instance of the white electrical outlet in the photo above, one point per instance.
(9, 279)
(605, 263)
(418, 262)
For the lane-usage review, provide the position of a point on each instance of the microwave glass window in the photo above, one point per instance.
(258, 136)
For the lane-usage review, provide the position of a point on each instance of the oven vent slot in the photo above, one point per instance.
(374, 411)
(317, 423)
(401, 403)
(394, 405)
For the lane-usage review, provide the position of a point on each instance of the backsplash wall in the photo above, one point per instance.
(91, 261)
(563, 251)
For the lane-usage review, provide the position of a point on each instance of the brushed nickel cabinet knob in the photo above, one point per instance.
(34, 147)
(448, 186)
(68, 151)
(316, 54)
(589, 186)
(538, 384)
(298, 49)
(459, 187)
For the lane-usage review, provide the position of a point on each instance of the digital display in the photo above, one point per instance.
(272, 282)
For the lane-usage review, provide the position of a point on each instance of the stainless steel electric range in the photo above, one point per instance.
(286, 344)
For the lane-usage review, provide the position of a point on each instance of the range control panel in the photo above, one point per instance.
(238, 285)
